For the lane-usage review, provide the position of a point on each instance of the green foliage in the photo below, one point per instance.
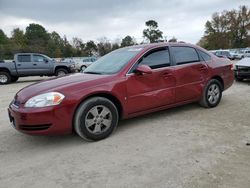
(173, 39)
(227, 30)
(127, 41)
(152, 33)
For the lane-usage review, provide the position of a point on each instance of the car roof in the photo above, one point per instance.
(162, 44)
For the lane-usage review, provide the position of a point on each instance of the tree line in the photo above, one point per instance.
(228, 29)
(37, 39)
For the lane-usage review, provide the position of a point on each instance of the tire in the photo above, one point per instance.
(82, 68)
(95, 111)
(14, 78)
(5, 78)
(212, 94)
(239, 79)
(61, 72)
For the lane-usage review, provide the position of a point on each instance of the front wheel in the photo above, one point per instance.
(96, 119)
(83, 68)
(61, 72)
(212, 94)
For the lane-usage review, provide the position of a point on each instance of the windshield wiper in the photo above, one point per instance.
(91, 72)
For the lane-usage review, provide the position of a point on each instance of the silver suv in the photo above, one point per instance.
(83, 63)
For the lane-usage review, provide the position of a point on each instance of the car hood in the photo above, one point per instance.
(244, 62)
(59, 84)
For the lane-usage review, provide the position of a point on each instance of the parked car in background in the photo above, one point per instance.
(242, 69)
(224, 54)
(125, 83)
(246, 52)
(83, 63)
(32, 64)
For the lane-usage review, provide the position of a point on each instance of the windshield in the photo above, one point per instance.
(112, 62)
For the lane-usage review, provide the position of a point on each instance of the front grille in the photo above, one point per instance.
(35, 127)
(243, 68)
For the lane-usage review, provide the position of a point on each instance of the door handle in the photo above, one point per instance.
(18, 64)
(34, 64)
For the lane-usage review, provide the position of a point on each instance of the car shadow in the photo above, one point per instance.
(48, 142)
(124, 124)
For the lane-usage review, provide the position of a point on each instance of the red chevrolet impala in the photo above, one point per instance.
(125, 83)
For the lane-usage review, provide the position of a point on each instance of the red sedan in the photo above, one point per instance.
(125, 83)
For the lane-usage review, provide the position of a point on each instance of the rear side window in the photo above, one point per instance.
(204, 55)
(156, 59)
(185, 55)
(24, 58)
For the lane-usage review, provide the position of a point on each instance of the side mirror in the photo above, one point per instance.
(143, 69)
(46, 60)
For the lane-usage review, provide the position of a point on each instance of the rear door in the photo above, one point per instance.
(190, 72)
(24, 65)
(148, 91)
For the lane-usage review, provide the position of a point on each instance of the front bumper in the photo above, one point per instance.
(41, 121)
(242, 73)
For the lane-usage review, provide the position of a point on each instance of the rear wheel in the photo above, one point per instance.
(5, 78)
(212, 94)
(61, 72)
(96, 119)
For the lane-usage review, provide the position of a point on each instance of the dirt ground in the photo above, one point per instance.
(188, 146)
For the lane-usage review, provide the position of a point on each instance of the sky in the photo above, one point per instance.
(114, 19)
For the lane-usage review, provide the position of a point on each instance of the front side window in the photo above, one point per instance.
(184, 55)
(38, 58)
(24, 58)
(156, 59)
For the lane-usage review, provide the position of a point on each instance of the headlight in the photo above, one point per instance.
(46, 99)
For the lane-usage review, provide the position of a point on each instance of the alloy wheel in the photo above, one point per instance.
(213, 94)
(98, 119)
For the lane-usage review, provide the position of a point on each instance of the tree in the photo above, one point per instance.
(152, 33)
(55, 45)
(5, 46)
(90, 48)
(104, 46)
(173, 39)
(37, 38)
(3, 37)
(127, 41)
(227, 30)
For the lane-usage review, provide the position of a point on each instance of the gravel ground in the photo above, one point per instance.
(188, 146)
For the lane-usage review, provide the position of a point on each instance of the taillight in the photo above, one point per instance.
(232, 66)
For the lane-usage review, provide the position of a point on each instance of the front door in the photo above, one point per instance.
(148, 91)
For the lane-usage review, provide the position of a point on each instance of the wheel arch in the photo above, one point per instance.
(219, 78)
(5, 70)
(61, 67)
(106, 95)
